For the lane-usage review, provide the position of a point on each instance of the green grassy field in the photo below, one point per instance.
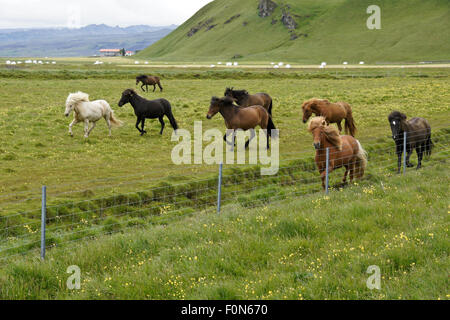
(328, 30)
(109, 185)
(312, 247)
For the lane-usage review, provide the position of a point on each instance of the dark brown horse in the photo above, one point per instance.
(149, 81)
(332, 112)
(244, 99)
(345, 151)
(237, 117)
(418, 136)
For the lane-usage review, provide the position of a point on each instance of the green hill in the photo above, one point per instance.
(325, 30)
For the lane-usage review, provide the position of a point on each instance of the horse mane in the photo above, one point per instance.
(142, 76)
(331, 133)
(75, 98)
(397, 115)
(315, 102)
(240, 93)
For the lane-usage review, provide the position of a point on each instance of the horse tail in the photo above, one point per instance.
(361, 164)
(270, 127)
(429, 146)
(270, 107)
(169, 114)
(350, 125)
(114, 121)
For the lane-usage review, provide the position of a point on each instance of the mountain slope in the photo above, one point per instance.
(60, 42)
(327, 30)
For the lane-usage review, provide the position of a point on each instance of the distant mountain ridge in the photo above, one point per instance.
(85, 41)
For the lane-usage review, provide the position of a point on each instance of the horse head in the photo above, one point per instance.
(126, 97)
(316, 127)
(397, 121)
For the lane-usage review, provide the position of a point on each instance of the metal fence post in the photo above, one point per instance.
(327, 169)
(404, 152)
(43, 220)
(219, 188)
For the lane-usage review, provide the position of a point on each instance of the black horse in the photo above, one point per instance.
(418, 136)
(146, 109)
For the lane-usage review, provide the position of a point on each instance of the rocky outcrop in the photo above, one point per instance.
(207, 24)
(266, 8)
(287, 19)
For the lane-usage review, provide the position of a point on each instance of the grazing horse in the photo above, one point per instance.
(237, 117)
(332, 112)
(148, 109)
(418, 136)
(244, 99)
(345, 151)
(149, 80)
(89, 111)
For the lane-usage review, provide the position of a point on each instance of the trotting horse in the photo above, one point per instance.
(332, 112)
(244, 99)
(418, 136)
(344, 151)
(89, 111)
(237, 117)
(148, 109)
(149, 81)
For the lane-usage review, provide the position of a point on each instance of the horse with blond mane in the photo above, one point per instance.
(332, 112)
(344, 151)
(89, 111)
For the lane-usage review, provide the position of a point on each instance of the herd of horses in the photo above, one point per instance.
(245, 111)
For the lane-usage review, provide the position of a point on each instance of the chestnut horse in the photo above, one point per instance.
(244, 99)
(332, 112)
(345, 151)
(237, 117)
(149, 80)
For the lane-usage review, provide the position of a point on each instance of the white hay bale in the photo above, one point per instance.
(276, 66)
(8, 62)
(361, 62)
(288, 66)
(280, 64)
(345, 63)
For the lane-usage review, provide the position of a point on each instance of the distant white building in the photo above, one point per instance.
(110, 52)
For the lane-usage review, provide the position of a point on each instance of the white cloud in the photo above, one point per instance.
(52, 13)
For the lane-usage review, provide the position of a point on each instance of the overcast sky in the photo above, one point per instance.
(58, 13)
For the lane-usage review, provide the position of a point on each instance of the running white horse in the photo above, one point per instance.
(89, 111)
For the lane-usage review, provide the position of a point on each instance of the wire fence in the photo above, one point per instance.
(60, 220)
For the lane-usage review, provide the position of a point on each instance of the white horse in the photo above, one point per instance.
(87, 111)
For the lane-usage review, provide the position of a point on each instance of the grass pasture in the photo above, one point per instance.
(133, 178)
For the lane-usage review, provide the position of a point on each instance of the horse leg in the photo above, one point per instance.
(420, 149)
(233, 141)
(137, 125)
(75, 121)
(161, 120)
(108, 122)
(252, 135)
(154, 87)
(142, 87)
(323, 176)
(409, 152)
(142, 126)
(352, 171)
(92, 128)
(339, 126)
(347, 169)
(86, 128)
(399, 158)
